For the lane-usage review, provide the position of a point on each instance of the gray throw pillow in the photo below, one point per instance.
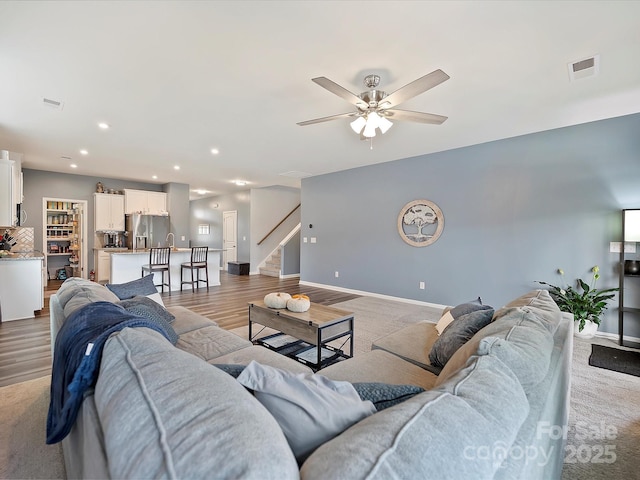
(382, 395)
(310, 409)
(458, 333)
(150, 310)
(142, 286)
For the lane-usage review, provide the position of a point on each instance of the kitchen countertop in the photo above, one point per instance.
(112, 249)
(146, 251)
(20, 255)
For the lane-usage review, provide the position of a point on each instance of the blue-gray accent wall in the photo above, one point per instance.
(515, 211)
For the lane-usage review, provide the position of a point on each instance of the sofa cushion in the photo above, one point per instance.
(310, 409)
(211, 342)
(539, 302)
(76, 292)
(380, 366)
(458, 333)
(262, 355)
(149, 309)
(525, 350)
(183, 417)
(448, 432)
(188, 320)
(411, 343)
(501, 327)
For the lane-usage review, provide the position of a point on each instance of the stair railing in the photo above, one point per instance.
(279, 223)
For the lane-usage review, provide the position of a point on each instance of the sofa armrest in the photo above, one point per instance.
(56, 319)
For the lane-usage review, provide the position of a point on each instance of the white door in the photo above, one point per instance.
(229, 237)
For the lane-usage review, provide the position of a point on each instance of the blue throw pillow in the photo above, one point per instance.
(458, 333)
(150, 310)
(142, 286)
(384, 395)
(232, 369)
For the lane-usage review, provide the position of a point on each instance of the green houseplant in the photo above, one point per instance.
(584, 301)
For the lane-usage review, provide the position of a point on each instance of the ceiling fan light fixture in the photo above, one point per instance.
(369, 129)
(384, 125)
(358, 124)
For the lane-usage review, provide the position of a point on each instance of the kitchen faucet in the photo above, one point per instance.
(173, 240)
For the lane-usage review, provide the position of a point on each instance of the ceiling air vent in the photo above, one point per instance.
(52, 103)
(587, 67)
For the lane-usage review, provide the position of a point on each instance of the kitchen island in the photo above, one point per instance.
(21, 291)
(127, 266)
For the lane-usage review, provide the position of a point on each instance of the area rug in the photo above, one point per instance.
(604, 421)
(616, 359)
(23, 419)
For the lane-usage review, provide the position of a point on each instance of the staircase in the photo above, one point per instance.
(272, 265)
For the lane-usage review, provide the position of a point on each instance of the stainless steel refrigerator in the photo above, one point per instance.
(146, 231)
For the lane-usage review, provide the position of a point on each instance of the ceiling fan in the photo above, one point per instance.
(374, 108)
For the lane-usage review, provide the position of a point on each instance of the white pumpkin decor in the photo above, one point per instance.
(298, 303)
(276, 300)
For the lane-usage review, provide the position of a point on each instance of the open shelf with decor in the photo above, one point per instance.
(629, 294)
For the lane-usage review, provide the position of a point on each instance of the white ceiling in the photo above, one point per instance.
(176, 79)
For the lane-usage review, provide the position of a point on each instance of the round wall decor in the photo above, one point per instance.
(420, 223)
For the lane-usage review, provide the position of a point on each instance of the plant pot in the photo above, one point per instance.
(589, 330)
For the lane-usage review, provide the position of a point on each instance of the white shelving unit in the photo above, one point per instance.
(64, 237)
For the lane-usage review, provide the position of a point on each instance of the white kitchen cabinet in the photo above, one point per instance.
(108, 212)
(10, 187)
(157, 203)
(145, 202)
(103, 265)
(21, 291)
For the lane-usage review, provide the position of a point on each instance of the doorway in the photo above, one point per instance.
(229, 237)
(64, 238)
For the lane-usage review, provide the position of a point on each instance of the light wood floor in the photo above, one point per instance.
(25, 351)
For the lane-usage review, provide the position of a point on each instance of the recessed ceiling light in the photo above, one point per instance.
(84, 152)
(215, 151)
(201, 191)
(73, 165)
(103, 125)
(240, 183)
(155, 177)
(176, 167)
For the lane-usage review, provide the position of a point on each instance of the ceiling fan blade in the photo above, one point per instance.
(327, 119)
(420, 117)
(414, 88)
(342, 92)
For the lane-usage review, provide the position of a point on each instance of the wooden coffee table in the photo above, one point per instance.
(317, 327)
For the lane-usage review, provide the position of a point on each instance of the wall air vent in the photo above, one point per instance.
(587, 67)
(52, 103)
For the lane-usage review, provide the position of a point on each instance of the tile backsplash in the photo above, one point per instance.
(24, 239)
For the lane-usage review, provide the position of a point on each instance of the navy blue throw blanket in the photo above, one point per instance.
(76, 363)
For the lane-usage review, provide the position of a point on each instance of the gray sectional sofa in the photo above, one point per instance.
(163, 411)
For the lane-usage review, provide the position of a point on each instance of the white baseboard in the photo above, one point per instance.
(291, 275)
(375, 295)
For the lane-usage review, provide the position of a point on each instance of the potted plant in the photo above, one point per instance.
(585, 302)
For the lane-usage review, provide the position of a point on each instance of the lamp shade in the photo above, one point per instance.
(384, 124)
(372, 124)
(632, 225)
(358, 124)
